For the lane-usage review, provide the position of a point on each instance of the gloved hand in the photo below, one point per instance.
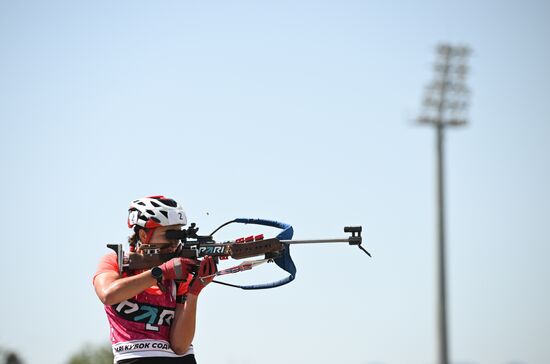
(177, 268)
(206, 269)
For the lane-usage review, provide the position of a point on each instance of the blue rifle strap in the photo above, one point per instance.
(284, 261)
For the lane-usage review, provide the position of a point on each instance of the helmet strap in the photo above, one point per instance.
(150, 232)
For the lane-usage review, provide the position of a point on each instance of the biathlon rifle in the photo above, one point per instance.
(196, 246)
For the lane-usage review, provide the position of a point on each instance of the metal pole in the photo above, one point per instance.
(446, 94)
(443, 354)
(441, 276)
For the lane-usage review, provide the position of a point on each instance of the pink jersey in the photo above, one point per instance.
(140, 326)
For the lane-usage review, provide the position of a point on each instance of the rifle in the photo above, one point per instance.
(196, 246)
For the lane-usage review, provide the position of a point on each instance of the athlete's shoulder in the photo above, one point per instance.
(107, 263)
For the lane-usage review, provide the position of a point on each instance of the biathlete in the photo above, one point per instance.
(153, 322)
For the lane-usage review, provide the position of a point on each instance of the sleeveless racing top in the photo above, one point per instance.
(140, 326)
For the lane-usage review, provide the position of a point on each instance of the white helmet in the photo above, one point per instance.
(155, 211)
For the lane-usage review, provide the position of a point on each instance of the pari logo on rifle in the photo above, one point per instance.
(214, 250)
(196, 246)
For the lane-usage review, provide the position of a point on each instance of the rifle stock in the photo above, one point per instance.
(137, 261)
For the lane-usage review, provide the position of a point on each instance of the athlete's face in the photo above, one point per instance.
(158, 238)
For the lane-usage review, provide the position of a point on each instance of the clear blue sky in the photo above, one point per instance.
(293, 110)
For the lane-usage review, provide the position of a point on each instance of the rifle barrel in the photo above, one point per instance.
(316, 241)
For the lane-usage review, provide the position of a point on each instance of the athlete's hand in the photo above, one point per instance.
(177, 268)
(204, 275)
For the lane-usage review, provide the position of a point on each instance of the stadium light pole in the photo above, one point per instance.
(445, 105)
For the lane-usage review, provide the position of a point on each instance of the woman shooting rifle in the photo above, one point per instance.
(152, 313)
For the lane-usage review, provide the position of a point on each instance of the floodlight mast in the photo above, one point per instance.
(445, 105)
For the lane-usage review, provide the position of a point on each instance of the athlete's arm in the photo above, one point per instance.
(112, 289)
(183, 326)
